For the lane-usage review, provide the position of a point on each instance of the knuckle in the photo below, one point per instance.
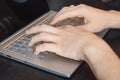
(82, 5)
(64, 8)
(83, 8)
(71, 5)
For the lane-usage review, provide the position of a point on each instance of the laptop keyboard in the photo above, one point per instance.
(20, 46)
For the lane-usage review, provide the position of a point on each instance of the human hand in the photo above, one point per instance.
(67, 41)
(95, 19)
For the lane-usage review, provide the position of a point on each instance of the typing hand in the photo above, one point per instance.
(67, 41)
(95, 19)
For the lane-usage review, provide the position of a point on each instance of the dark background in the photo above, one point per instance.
(15, 15)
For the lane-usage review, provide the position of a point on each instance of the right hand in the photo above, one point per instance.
(95, 19)
(68, 41)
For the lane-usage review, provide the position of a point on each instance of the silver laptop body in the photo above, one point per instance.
(15, 47)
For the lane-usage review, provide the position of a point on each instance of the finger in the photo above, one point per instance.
(76, 11)
(42, 28)
(65, 9)
(72, 6)
(45, 37)
(51, 47)
(68, 14)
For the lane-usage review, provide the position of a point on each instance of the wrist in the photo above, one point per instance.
(114, 19)
(100, 59)
(95, 51)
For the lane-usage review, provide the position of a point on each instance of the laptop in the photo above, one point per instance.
(15, 47)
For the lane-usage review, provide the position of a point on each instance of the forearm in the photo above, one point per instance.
(114, 19)
(103, 62)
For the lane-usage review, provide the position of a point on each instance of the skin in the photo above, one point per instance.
(80, 43)
(95, 19)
